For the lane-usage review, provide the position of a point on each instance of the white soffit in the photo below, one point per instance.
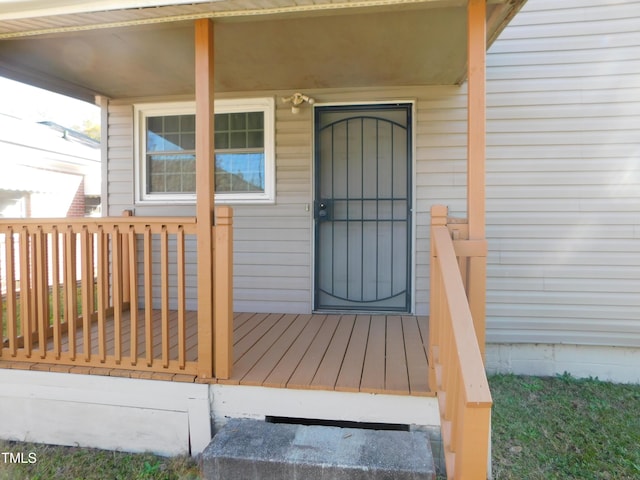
(14, 9)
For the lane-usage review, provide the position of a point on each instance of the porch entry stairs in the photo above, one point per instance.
(255, 450)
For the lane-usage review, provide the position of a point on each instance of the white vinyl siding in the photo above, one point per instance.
(273, 261)
(563, 175)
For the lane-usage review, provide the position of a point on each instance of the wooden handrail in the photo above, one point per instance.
(457, 371)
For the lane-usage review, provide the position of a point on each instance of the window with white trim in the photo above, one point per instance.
(244, 151)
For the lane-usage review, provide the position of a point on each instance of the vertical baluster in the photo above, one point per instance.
(93, 269)
(164, 288)
(126, 274)
(182, 305)
(55, 291)
(116, 245)
(70, 288)
(41, 278)
(133, 295)
(86, 282)
(453, 395)
(103, 292)
(12, 320)
(449, 357)
(25, 291)
(435, 321)
(148, 295)
(33, 289)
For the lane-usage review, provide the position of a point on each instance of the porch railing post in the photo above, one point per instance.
(223, 292)
(438, 217)
(204, 191)
(476, 152)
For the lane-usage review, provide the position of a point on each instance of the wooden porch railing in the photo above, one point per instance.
(457, 371)
(104, 292)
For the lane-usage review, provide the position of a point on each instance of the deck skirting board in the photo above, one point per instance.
(134, 415)
(240, 401)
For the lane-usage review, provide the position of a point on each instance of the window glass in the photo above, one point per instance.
(240, 159)
(244, 151)
(171, 166)
(239, 172)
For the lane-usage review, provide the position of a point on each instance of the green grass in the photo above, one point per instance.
(563, 428)
(543, 428)
(61, 306)
(72, 463)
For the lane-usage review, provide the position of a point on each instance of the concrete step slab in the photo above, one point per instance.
(256, 450)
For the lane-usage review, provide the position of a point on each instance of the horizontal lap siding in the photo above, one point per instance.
(273, 260)
(440, 170)
(563, 175)
(120, 168)
(273, 242)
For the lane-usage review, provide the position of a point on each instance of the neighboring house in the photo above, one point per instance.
(318, 226)
(47, 170)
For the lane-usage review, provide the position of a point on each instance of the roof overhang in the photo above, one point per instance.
(130, 48)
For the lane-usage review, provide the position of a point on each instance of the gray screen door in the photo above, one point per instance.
(362, 208)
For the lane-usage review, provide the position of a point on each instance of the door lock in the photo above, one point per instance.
(323, 210)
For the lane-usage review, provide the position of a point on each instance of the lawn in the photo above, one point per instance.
(72, 463)
(543, 428)
(563, 428)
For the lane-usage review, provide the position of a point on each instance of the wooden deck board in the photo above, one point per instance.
(278, 325)
(374, 354)
(290, 362)
(246, 342)
(416, 356)
(292, 325)
(329, 368)
(397, 377)
(350, 376)
(373, 372)
(311, 360)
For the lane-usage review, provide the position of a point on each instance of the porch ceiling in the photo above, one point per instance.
(144, 54)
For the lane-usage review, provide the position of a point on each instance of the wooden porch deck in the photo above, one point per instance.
(353, 353)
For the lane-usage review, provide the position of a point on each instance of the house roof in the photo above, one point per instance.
(128, 48)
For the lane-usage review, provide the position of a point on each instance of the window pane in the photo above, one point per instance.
(187, 123)
(188, 141)
(222, 140)
(170, 133)
(172, 123)
(255, 139)
(221, 122)
(255, 121)
(171, 173)
(238, 140)
(155, 124)
(239, 172)
(237, 121)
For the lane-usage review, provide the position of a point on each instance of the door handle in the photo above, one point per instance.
(323, 210)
